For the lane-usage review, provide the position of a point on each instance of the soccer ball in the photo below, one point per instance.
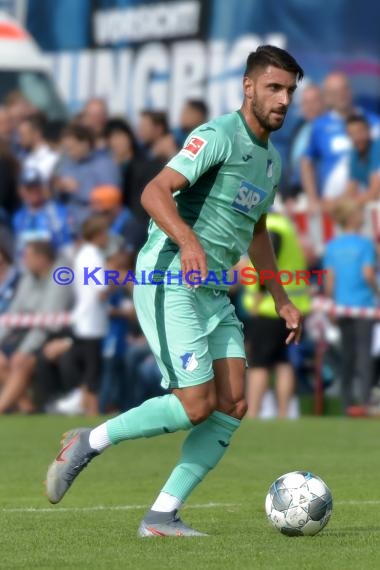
(299, 504)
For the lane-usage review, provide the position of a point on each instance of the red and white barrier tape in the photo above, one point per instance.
(319, 228)
(47, 320)
(33, 320)
(326, 305)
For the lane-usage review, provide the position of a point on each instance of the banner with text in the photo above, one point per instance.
(156, 54)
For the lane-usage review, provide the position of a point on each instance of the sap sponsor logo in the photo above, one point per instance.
(249, 196)
(193, 147)
(189, 361)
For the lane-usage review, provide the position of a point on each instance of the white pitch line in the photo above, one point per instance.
(105, 508)
(353, 503)
(138, 507)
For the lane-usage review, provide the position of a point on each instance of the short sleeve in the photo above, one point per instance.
(374, 122)
(312, 149)
(375, 157)
(369, 253)
(204, 148)
(353, 166)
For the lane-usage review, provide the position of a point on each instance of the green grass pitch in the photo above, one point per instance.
(95, 525)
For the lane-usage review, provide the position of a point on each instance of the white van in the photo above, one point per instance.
(23, 68)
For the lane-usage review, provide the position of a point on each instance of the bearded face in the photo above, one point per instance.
(269, 94)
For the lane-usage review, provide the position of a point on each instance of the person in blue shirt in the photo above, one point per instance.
(39, 217)
(364, 173)
(324, 166)
(350, 261)
(311, 107)
(81, 169)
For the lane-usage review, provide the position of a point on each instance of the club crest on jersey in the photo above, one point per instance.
(269, 168)
(193, 147)
(249, 196)
(189, 361)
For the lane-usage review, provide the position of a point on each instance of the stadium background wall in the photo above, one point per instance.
(154, 54)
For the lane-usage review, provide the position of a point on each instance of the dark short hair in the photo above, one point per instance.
(120, 125)
(93, 226)
(42, 247)
(79, 132)
(357, 119)
(275, 56)
(158, 118)
(198, 105)
(37, 122)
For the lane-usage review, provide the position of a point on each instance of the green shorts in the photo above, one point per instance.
(187, 329)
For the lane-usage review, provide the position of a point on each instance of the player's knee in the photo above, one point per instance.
(235, 408)
(199, 402)
(201, 410)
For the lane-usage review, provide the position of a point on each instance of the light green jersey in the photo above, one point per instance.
(233, 178)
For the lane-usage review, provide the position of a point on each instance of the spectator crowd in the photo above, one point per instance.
(70, 197)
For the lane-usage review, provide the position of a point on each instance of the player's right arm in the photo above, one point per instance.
(157, 199)
(204, 148)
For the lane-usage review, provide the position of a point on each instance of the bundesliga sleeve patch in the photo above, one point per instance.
(193, 147)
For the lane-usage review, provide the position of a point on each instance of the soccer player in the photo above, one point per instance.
(208, 207)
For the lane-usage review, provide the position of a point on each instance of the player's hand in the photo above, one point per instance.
(193, 258)
(293, 318)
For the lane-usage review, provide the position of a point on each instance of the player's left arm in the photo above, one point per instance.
(262, 255)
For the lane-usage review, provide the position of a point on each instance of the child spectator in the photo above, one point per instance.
(350, 261)
(90, 313)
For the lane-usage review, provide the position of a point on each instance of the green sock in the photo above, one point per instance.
(164, 414)
(203, 448)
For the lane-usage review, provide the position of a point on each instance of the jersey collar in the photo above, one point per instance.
(251, 135)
